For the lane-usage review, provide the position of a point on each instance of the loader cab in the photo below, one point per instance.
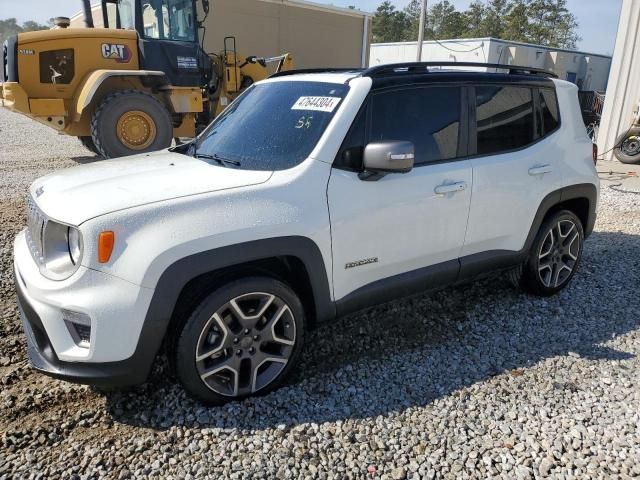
(168, 37)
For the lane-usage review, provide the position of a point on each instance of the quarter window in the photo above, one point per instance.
(549, 110)
(504, 118)
(428, 117)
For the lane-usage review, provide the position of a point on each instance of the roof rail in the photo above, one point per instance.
(315, 70)
(424, 67)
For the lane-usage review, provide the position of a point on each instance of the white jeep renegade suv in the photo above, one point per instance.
(313, 195)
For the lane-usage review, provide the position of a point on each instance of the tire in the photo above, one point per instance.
(222, 353)
(628, 146)
(130, 122)
(87, 142)
(547, 270)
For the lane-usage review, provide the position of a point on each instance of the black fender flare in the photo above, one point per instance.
(176, 276)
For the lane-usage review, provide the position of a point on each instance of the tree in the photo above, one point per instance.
(493, 20)
(389, 24)
(9, 27)
(516, 23)
(544, 22)
(444, 21)
(474, 18)
(562, 25)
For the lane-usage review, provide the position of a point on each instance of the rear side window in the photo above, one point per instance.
(549, 110)
(429, 117)
(504, 118)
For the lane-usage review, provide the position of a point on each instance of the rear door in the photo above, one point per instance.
(383, 230)
(515, 164)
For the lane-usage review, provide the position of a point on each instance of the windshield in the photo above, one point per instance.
(272, 126)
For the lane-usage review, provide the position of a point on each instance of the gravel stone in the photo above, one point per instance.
(477, 381)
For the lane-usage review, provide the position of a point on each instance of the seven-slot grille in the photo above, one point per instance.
(36, 222)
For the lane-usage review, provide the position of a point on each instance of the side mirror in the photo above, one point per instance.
(381, 158)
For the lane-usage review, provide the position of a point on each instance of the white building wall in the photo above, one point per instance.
(591, 71)
(623, 90)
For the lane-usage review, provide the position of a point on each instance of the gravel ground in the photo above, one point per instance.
(473, 382)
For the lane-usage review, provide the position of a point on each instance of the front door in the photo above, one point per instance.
(390, 234)
(168, 40)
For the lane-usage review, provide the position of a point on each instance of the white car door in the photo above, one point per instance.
(516, 167)
(402, 232)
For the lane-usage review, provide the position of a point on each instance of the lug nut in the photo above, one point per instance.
(235, 340)
(246, 330)
(238, 352)
(252, 350)
(256, 338)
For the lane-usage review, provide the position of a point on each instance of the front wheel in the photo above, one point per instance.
(241, 340)
(554, 256)
(130, 122)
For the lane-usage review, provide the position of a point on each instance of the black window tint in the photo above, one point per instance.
(549, 110)
(350, 154)
(504, 118)
(428, 117)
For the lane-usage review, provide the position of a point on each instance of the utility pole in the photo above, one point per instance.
(423, 15)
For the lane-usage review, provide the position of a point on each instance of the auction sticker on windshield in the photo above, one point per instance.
(319, 104)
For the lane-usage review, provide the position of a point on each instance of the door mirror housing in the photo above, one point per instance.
(381, 158)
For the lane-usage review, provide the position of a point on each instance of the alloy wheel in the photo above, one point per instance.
(245, 344)
(558, 254)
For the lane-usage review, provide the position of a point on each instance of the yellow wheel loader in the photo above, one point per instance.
(132, 88)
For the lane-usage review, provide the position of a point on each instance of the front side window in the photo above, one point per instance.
(272, 126)
(168, 19)
(504, 118)
(125, 10)
(427, 116)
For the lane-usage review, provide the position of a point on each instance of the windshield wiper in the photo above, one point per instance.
(217, 158)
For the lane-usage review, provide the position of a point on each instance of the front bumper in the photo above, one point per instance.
(44, 359)
(117, 310)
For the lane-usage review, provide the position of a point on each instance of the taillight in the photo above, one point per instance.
(594, 152)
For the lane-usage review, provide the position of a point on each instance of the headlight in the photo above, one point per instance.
(62, 250)
(75, 245)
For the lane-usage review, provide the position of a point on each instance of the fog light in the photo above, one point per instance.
(79, 326)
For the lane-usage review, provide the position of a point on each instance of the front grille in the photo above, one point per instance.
(9, 71)
(36, 223)
(4, 72)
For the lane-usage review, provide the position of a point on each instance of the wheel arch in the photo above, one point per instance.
(297, 259)
(91, 86)
(581, 199)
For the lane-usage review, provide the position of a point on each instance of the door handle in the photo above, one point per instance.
(540, 169)
(450, 188)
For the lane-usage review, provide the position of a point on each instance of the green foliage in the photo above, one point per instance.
(10, 27)
(544, 22)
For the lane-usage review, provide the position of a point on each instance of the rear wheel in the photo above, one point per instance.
(241, 340)
(554, 256)
(130, 122)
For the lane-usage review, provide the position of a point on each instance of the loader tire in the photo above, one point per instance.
(130, 122)
(87, 142)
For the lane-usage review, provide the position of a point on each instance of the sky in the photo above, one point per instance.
(598, 19)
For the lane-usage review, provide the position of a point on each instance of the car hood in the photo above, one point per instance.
(77, 194)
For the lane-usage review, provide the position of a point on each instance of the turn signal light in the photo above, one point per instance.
(106, 241)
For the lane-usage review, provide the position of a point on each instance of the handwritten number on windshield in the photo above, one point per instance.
(304, 122)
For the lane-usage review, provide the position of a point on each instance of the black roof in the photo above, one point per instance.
(430, 72)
